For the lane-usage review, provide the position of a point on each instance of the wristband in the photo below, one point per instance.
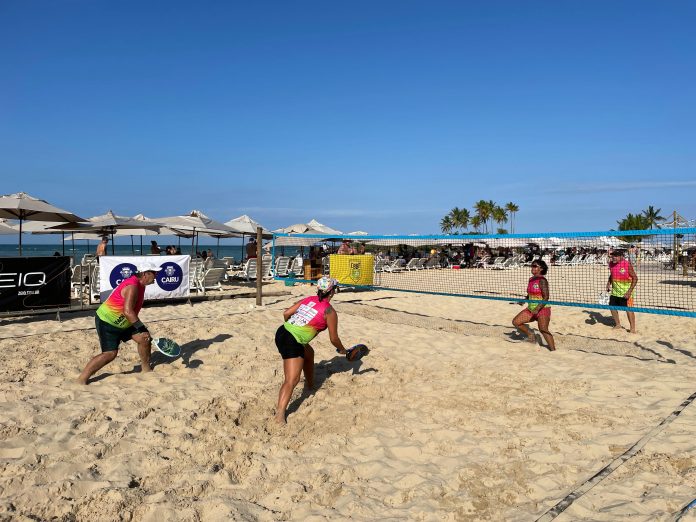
(140, 327)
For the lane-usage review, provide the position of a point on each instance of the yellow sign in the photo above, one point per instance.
(352, 270)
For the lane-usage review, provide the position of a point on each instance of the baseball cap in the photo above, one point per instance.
(148, 267)
(326, 284)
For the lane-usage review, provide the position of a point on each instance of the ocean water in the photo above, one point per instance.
(81, 249)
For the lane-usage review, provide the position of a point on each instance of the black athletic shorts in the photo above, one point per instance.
(110, 336)
(287, 345)
(615, 300)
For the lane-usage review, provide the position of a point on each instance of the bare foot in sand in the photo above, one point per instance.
(531, 338)
(617, 327)
(82, 381)
(280, 419)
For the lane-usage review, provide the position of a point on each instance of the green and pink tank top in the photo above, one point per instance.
(309, 320)
(534, 292)
(111, 310)
(620, 278)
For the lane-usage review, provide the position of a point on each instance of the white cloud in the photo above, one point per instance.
(341, 212)
(621, 187)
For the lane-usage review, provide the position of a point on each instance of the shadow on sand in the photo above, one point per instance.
(325, 369)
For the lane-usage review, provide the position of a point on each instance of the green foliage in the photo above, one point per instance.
(653, 216)
(633, 222)
(484, 215)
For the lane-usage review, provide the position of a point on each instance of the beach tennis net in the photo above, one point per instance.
(662, 262)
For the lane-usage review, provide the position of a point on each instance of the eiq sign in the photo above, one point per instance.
(172, 280)
(34, 283)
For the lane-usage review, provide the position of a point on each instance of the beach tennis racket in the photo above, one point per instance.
(166, 346)
(357, 352)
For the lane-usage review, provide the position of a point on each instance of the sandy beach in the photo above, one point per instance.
(451, 417)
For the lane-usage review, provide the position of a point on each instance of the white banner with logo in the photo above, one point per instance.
(171, 282)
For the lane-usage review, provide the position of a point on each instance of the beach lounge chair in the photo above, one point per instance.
(395, 266)
(497, 262)
(481, 263)
(210, 279)
(249, 270)
(282, 266)
(195, 269)
(77, 280)
(296, 267)
(412, 264)
(94, 283)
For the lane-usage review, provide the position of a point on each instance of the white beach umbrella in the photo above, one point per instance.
(314, 224)
(195, 223)
(6, 228)
(110, 224)
(245, 225)
(24, 207)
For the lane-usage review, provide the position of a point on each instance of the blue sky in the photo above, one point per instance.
(379, 116)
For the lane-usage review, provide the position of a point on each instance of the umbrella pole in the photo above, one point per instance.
(20, 234)
(218, 248)
(141, 245)
(72, 234)
(193, 243)
(132, 247)
(63, 234)
(112, 243)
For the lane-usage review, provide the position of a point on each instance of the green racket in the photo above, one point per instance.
(166, 346)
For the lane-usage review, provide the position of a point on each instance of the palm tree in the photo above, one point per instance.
(500, 217)
(483, 212)
(446, 224)
(511, 209)
(653, 216)
(490, 204)
(502, 231)
(476, 223)
(633, 222)
(460, 217)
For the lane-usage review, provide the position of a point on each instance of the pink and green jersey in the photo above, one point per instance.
(620, 278)
(309, 320)
(111, 310)
(534, 293)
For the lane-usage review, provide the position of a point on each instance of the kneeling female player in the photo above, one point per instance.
(303, 321)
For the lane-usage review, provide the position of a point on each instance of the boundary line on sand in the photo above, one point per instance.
(586, 486)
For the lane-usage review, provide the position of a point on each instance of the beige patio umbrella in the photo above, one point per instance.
(247, 227)
(6, 228)
(24, 207)
(195, 223)
(109, 224)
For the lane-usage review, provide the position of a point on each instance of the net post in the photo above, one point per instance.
(259, 266)
(674, 250)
